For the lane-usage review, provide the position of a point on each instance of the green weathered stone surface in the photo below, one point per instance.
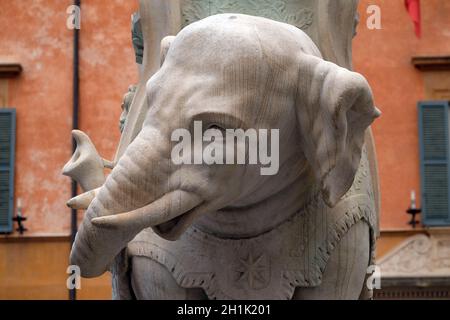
(288, 11)
(137, 37)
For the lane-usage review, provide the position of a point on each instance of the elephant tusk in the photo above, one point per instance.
(166, 208)
(82, 201)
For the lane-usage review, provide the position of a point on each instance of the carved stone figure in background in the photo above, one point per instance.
(126, 103)
(137, 38)
(225, 231)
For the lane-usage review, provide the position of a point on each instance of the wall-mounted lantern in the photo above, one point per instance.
(413, 210)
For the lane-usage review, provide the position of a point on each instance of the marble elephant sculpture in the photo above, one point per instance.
(226, 231)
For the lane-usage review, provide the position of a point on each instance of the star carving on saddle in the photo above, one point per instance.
(254, 271)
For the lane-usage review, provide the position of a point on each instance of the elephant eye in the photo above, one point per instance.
(215, 126)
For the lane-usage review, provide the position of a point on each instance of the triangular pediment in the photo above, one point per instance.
(418, 256)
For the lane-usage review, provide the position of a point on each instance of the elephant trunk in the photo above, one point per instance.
(136, 195)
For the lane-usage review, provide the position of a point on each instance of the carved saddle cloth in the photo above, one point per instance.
(268, 266)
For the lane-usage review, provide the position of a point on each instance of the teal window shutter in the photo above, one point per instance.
(7, 153)
(434, 162)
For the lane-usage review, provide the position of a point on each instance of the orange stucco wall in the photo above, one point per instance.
(34, 33)
(384, 58)
(36, 268)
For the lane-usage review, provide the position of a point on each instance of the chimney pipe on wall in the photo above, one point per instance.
(75, 125)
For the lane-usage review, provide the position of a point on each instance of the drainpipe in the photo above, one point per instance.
(75, 114)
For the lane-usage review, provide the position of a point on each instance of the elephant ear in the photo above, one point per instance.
(165, 45)
(334, 112)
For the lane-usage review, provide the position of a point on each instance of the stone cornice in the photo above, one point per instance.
(431, 63)
(10, 70)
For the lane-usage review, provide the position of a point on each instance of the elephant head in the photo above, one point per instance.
(231, 71)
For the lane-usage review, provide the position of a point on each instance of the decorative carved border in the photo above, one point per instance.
(411, 293)
(419, 256)
(194, 10)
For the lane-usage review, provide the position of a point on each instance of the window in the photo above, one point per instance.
(7, 149)
(434, 162)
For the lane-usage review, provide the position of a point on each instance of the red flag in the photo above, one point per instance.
(413, 7)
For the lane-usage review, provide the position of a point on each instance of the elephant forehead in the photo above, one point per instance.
(231, 63)
(246, 92)
(224, 40)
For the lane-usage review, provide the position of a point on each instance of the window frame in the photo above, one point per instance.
(426, 221)
(11, 168)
